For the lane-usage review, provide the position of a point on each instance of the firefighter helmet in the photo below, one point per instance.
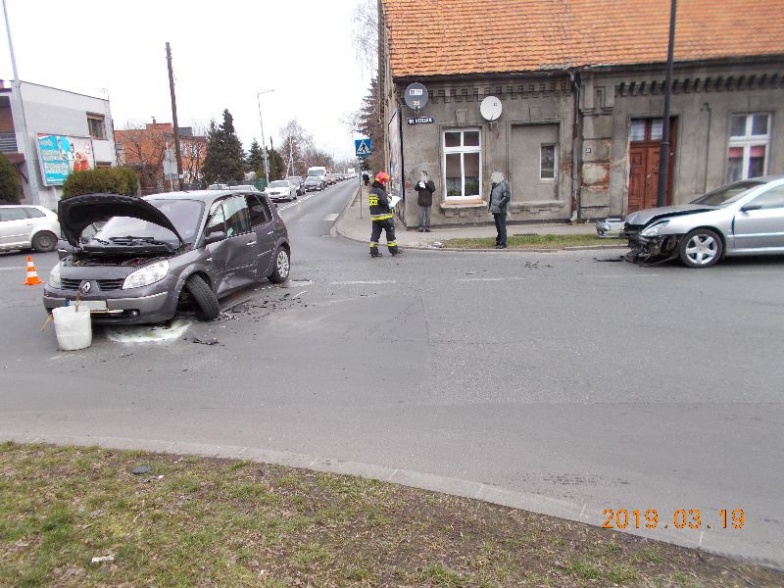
(382, 177)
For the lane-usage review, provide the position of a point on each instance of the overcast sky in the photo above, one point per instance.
(223, 53)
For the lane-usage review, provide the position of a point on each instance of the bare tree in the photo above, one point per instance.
(294, 149)
(365, 37)
(194, 151)
(143, 149)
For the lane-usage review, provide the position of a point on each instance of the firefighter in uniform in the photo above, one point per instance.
(382, 216)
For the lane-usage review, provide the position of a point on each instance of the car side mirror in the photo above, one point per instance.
(214, 236)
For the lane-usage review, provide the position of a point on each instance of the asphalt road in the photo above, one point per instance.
(566, 383)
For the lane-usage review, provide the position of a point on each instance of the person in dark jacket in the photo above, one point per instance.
(499, 203)
(381, 216)
(425, 188)
(365, 178)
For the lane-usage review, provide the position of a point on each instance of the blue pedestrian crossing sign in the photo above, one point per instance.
(362, 147)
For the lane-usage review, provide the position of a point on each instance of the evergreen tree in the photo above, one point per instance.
(225, 161)
(9, 183)
(277, 167)
(370, 124)
(255, 160)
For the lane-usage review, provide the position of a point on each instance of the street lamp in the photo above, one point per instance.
(264, 156)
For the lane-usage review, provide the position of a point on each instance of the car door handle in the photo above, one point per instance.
(250, 243)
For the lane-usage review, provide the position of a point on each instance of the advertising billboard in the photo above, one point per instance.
(59, 155)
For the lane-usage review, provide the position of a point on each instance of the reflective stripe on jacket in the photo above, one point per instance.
(378, 201)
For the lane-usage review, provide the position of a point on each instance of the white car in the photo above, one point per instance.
(24, 226)
(281, 190)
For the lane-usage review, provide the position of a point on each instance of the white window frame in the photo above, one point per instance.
(749, 141)
(462, 150)
(555, 162)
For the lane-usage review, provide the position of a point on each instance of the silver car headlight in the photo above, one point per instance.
(54, 277)
(655, 229)
(147, 275)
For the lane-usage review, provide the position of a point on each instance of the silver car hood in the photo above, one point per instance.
(77, 212)
(643, 217)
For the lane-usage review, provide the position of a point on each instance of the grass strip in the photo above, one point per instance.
(548, 241)
(80, 517)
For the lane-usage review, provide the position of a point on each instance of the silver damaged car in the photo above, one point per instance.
(157, 255)
(741, 218)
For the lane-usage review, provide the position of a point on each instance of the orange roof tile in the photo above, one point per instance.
(449, 37)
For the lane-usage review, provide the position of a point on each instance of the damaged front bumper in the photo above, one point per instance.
(653, 250)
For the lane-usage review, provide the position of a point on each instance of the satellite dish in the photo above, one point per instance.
(490, 108)
(416, 96)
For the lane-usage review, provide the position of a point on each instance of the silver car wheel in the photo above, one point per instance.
(701, 248)
(282, 267)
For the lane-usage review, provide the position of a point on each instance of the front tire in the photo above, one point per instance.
(282, 267)
(207, 306)
(44, 241)
(701, 248)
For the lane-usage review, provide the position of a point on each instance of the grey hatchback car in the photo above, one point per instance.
(163, 253)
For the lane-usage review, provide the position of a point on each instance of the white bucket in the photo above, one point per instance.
(72, 327)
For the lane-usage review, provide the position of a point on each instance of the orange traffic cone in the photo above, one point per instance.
(32, 277)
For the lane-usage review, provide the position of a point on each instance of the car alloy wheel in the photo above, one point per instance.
(701, 248)
(282, 267)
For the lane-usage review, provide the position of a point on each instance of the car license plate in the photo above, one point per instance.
(93, 305)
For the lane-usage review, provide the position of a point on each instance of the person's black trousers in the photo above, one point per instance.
(500, 227)
(387, 225)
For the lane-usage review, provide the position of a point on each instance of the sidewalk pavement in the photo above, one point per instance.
(354, 223)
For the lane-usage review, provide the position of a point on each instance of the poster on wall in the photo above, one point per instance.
(395, 156)
(60, 155)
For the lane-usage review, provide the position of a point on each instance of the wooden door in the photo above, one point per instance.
(644, 156)
(643, 175)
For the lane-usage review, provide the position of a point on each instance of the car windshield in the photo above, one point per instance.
(279, 184)
(312, 179)
(184, 215)
(727, 194)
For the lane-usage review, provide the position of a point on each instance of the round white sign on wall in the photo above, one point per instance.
(416, 96)
(490, 108)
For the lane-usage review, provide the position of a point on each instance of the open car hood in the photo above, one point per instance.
(77, 212)
(643, 217)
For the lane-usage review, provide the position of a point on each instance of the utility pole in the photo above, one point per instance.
(264, 154)
(664, 154)
(16, 95)
(174, 117)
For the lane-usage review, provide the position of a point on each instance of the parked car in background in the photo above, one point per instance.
(244, 187)
(279, 190)
(315, 183)
(741, 218)
(164, 253)
(299, 183)
(24, 226)
(609, 227)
